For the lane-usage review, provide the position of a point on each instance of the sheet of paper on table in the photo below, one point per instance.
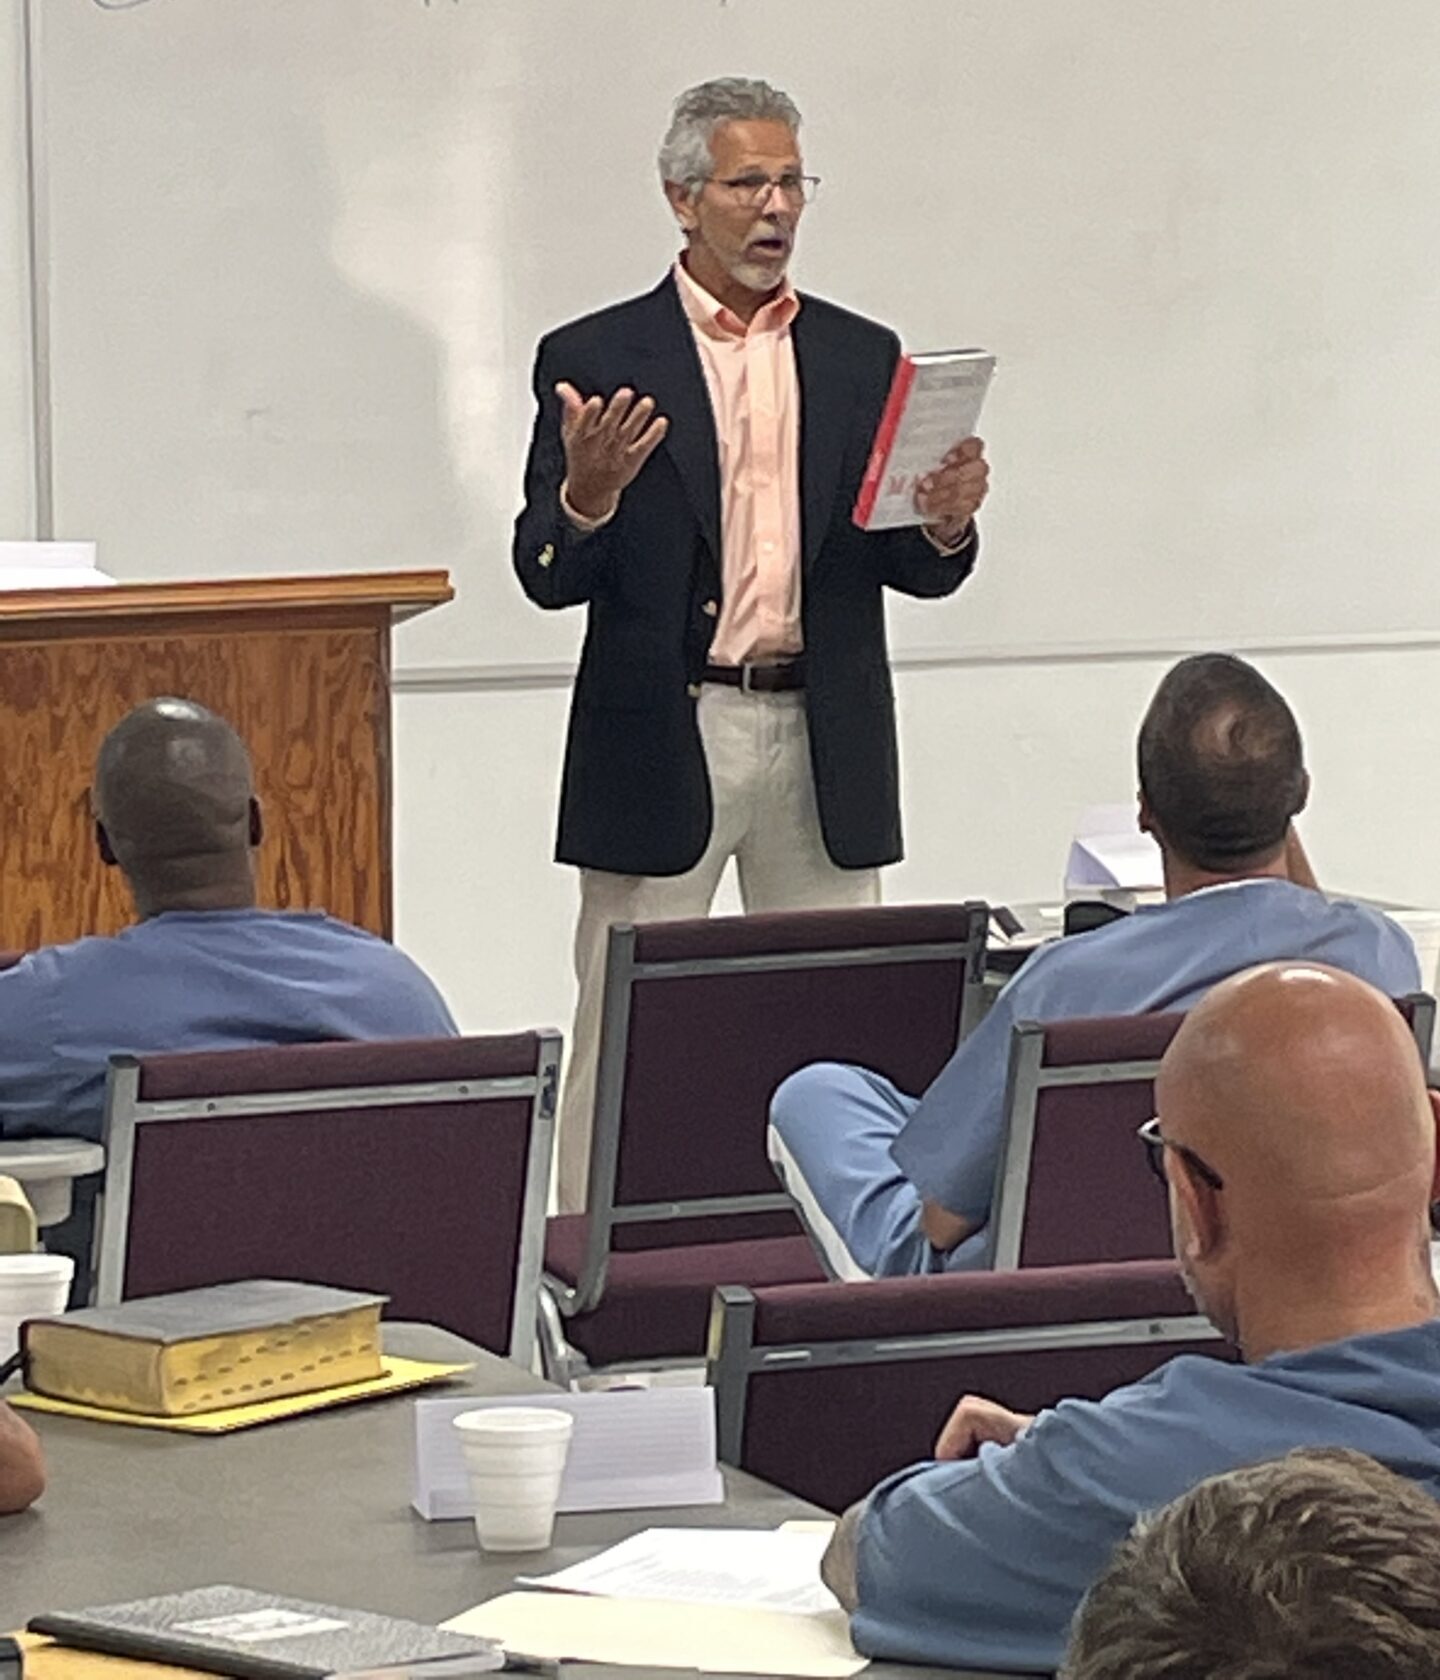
(650, 1633)
(725, 1601)
(761, 1568)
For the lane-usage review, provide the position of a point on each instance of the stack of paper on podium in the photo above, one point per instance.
(1111, 859)
(725, 1601)
(50, 565)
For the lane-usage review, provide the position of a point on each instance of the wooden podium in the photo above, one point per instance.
(300, 666)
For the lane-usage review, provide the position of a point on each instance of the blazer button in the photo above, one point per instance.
(711, 609)
(693, 690)
(547, 554)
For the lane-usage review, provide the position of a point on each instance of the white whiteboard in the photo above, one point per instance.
(301, 250)
(16, 458)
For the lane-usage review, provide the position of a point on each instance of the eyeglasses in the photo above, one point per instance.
(755, 190)
(1155, 1147)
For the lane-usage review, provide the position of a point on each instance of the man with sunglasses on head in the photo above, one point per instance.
(1296, 1142)
(695, 459)
(890, 1183)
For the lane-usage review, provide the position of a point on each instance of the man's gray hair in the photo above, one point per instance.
(1312, 1567)
(685, 156)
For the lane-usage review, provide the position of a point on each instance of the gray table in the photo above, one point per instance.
(317, 1507)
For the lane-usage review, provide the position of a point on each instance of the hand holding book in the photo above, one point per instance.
(926, 465)
(949, 498)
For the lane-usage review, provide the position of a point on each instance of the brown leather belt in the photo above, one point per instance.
(759, 679)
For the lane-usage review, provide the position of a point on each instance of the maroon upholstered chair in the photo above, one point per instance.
(1073, 1185)
(826, 1389)
(418, 1169)
(702, 1020)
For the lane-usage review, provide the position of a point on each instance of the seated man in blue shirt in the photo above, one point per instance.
(890, 1184)
(1298, 1143)
(202, 968)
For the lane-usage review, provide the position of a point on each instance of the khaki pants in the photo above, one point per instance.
(758, 755)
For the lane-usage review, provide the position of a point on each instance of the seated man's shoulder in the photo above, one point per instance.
(384, 965)
(1080, 955)
(1186, 1391)
(325, 933)
(1384, 925)
(50, 965)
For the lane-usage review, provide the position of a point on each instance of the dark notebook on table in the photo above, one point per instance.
(259, 1636)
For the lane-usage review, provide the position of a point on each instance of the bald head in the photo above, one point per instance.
(1301, 1087)
(175, 806)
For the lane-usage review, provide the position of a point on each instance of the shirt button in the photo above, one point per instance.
(693, 690)
(711, 609)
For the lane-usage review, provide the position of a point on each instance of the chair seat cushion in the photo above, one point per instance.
(657, 1300)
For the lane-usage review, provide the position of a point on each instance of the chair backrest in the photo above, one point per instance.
(703, 1019)
(825, 1389)
(1073, 1185)
(418, 1169)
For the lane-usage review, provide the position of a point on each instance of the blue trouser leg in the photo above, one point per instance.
(836, 1125)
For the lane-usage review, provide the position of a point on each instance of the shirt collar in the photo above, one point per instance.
(1244, 881)
(709, 316)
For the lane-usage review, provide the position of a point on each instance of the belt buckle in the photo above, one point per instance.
(747, 680)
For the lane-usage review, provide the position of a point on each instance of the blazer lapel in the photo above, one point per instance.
(825, 416)
(672, 374)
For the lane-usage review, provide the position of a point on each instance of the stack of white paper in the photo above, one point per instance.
(50, 565)
(1109, 851)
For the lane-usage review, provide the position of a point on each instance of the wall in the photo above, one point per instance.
(302, 251)
(16, 460)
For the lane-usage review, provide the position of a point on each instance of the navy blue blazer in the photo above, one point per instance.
(635, 796)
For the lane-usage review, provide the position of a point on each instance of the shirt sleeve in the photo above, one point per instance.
(950, 1145)
(1402, 963)
(430, 1014)
(39, 1094)
(982, 1564)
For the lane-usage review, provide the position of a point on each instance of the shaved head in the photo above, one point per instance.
(1302, 1088)
(175, 806)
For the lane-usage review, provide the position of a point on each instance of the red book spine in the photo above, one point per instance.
(884, 441)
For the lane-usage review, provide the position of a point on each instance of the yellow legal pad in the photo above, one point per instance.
(45, 1660)
(398, 1375)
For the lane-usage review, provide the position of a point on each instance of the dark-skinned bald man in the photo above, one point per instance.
(202, 968)
(1297, 1142)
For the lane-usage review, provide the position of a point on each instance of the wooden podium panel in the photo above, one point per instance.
(300, 666)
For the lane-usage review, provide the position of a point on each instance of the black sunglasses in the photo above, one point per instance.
(1155, 1146)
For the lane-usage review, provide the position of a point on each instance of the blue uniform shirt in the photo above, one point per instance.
(193, 980)
(982, 1564)
(1165, 956)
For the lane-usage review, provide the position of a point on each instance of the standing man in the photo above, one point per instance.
(695, 458)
